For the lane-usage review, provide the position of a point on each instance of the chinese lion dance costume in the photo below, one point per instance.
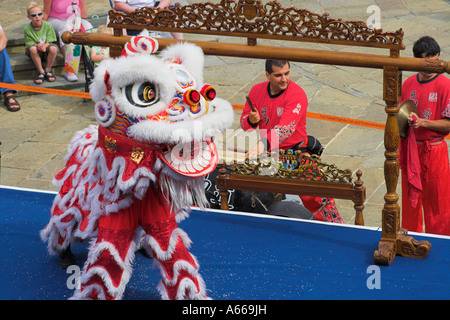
(132, 178)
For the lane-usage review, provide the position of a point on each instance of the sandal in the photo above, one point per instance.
(39, 78)
(49, 76)
(11, 103)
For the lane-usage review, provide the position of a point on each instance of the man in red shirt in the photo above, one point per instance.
(280, 111)
(280, 115)
(431, 94)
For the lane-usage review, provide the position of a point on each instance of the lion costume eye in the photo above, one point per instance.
(142, 94)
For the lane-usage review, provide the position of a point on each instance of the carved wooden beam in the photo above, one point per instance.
(267, 52)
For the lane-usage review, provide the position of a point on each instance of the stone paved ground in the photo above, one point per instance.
(35, 139)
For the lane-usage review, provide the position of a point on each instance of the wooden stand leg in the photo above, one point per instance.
(359, 196)
(393, 239)
(221, 183)
(408, 247)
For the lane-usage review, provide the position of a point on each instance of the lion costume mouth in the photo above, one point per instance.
(194, 159)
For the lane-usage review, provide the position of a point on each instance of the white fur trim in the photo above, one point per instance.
(95, 251)
(177, 267)
(81, 148)
(186, 285)
(124, 71)
(191, 56)
(86, 294)
(163, 255)
(91, 160)
(219, 118)
(181, 194)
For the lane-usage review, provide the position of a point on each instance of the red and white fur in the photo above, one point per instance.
(134, 176)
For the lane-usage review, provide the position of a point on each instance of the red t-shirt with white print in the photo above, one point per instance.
(282, 115)
(432, 98)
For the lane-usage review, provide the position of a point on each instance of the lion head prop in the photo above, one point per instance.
(163, 103)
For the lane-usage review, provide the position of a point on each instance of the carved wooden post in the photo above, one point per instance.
(221, 183)
(359, 196)
(393, 239)
(116, 50)
(391, 211)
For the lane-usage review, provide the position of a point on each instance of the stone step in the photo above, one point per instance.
(24, 70)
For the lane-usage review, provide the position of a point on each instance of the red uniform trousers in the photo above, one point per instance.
(323, 209)
(434, 202)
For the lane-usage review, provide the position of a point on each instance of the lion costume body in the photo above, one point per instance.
(137, 173)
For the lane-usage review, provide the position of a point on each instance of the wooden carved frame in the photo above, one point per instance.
(355, 192)
(252, 19)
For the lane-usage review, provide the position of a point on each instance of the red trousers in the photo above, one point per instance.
(433, 206)
(109, 264)
(324, 208)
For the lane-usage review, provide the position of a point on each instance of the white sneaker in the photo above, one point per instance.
(71, 76)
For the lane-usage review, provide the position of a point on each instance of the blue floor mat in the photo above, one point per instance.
(242, 257)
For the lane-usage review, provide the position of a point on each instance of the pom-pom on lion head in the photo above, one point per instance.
(162, 100)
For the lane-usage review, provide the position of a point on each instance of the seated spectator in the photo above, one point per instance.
(59, 13)
(131, 5)
(100, 53)
(6, 75)
(39, 37)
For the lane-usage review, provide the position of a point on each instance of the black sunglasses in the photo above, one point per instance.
(34, 15)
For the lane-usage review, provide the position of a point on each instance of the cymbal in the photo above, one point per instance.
(406, 107)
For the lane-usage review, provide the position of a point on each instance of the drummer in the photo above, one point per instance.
(431, 94)
(277, 107)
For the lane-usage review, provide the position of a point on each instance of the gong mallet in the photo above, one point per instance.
(250, 103)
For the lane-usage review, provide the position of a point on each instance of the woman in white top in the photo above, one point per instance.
(131, 5)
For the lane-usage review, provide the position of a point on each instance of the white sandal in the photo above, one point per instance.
(71, 76)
